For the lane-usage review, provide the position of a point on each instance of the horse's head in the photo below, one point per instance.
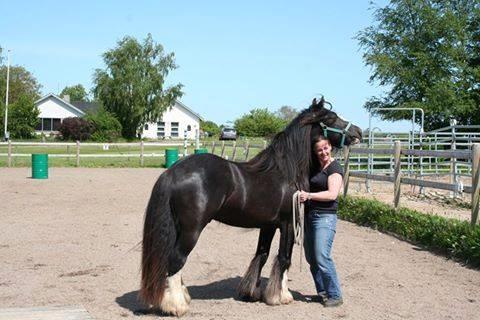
(327, 123)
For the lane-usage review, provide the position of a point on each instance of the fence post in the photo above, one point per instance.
(141, 153)
(397, 175)
(213, 147)
(247, 149)
(9, 153)
(234, 150)
(453, 161)
(78, 154)
(264, 144)
(346, 158)
(223, 149)
(475, 183)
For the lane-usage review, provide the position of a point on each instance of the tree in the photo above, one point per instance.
(76, 93)
(23, 118)
(425, 53)
(23, 88)
(286, 113)
(211, 127)
(259, 123)
(132, 85)
(106, 126)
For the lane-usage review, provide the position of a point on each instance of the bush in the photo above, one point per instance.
(106, 126)
(454, 238)
(76, 129)
(22, 118)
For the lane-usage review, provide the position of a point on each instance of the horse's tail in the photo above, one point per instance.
(159, 235)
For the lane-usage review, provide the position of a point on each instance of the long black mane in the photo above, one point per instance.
(289, 152)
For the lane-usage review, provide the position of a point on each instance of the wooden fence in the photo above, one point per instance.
(237, 151)
(397, 179)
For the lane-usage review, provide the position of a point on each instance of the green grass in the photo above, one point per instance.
(453, 238)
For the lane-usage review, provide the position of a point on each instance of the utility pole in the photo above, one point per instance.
(5, 134)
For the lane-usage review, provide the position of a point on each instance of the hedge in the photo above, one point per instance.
(453, 238)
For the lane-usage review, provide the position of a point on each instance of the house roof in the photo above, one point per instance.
(69, 105)
(189, 110)
(83, 107)
(86, 106)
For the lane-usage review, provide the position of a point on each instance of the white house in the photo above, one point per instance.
(176, 121)
(53, 110)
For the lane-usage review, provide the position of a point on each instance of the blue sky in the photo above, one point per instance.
(232, 56)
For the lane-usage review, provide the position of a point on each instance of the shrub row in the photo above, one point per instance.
(453, 238)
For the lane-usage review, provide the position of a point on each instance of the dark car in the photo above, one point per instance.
(228, 134)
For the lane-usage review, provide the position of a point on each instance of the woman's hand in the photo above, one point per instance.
(304, 196)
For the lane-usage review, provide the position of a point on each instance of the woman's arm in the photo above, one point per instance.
(335, 182)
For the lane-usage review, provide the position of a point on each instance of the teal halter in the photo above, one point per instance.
(343, 132)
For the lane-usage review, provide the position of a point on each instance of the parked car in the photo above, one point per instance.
(228, 134)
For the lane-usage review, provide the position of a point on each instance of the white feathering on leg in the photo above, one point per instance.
(174, 301)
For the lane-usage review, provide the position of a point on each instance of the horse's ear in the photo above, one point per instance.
(322, 102)
(314, 102)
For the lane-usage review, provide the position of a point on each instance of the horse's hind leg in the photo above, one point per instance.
(176, 298)
(277, 291)
(249, 287)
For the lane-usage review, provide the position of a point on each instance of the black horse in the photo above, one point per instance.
(253, 194)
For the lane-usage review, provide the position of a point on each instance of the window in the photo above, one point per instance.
(47, 124)
(56, 124)
(160, 129)
(146, 126)
(189, 128)
(174, 132)
(39, 125)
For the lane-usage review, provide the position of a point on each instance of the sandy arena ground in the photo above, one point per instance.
(73, 240)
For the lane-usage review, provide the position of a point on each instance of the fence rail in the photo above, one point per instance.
(232, 150)
(395, 174)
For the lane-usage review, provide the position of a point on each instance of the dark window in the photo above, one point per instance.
(146, 126)
(56, 124)
(174, 129)
(189, 128)
(160, 129)
(47, 124)
(39, 125)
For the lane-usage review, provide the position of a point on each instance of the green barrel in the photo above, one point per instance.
(40, 166)
(201, 150)
(171, 156)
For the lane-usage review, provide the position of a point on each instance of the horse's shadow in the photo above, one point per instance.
(218, 290)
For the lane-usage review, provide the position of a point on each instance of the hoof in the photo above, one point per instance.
(272, 300)
(253, 296)
(174, 304)
(286, 297)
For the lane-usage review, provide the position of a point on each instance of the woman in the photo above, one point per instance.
(321, 220)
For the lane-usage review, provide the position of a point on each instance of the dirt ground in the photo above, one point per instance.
(73, 240)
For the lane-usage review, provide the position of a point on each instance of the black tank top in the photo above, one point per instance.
(319, 182)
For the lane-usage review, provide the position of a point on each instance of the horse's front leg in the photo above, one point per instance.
(249, 287)
(277, 291)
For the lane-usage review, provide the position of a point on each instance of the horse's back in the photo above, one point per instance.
(205, 187)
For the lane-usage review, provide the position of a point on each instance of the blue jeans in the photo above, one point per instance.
(320, 230)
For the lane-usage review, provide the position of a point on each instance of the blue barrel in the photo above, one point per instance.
(40, 166)
(171, 156)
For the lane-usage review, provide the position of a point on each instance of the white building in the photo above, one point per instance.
(175, 122)
(53, 110)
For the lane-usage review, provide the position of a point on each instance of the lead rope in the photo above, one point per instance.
(298, 230)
